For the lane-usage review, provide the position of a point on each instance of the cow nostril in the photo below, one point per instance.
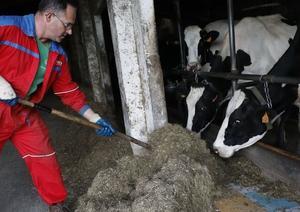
(216, 150)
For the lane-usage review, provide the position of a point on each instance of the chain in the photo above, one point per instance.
(267, 93)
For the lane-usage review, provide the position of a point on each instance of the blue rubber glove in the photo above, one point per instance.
(106, 128)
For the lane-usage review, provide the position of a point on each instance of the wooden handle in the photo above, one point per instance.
(80, 121)
(279, 151)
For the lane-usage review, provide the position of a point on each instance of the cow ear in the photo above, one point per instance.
(212, 36)
(242, 59)
(265, 118)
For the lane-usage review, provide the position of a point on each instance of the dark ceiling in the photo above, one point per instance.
(201, 12)
(18, 7)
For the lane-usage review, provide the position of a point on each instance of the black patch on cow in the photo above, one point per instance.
(288, 64)
(289, 22)
(242, 59)
(204, 45)
(212, 35)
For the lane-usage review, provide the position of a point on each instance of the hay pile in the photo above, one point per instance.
(171, 178)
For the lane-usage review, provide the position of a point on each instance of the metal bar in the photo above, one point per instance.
(232, 41)
(257, 78)
(180, 33)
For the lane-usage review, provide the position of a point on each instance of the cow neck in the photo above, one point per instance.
(259, 97)
(280, 98)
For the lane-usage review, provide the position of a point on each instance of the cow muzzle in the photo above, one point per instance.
(223, 151)
(194, 66)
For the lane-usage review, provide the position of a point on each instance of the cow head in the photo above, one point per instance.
(206, 107)
(204, 101)
(198, 43)
(245, 123)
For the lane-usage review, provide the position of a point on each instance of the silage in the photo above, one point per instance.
(179, 174)
(168, 179)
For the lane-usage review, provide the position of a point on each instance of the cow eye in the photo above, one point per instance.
(236, 122)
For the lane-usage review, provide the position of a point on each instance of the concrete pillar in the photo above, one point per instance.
(139, 72)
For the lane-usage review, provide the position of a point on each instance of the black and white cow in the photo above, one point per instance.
(263, 38)
(250, 111)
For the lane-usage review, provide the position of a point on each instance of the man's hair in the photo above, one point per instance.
(56, 5)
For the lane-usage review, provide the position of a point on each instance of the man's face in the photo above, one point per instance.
(59, 24)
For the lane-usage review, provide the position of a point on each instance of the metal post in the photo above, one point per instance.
(232, 41)
(180, 34)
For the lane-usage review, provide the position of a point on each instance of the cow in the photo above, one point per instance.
(263, 38)
(251, 111)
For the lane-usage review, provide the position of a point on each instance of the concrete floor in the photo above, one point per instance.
(17, 192)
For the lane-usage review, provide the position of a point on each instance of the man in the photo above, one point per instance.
(31, 62)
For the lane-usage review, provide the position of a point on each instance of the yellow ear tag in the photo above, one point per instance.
(265, 119)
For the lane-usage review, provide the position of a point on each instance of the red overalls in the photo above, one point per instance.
(19, 60)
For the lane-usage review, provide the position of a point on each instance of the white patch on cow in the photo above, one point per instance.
(206, 67)
(234, 103)
(192, 38)
(191, 100)
(228, 151)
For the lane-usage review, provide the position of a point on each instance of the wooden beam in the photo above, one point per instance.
(103, 60)
(88, 34)
(78, 57)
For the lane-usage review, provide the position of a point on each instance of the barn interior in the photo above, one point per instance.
(171, 17)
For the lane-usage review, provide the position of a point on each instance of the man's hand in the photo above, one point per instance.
(106, 128)
(7, 93)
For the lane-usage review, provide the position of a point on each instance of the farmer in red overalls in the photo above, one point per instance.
(31, 63)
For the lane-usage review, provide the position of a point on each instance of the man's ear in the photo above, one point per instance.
(48, 16)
